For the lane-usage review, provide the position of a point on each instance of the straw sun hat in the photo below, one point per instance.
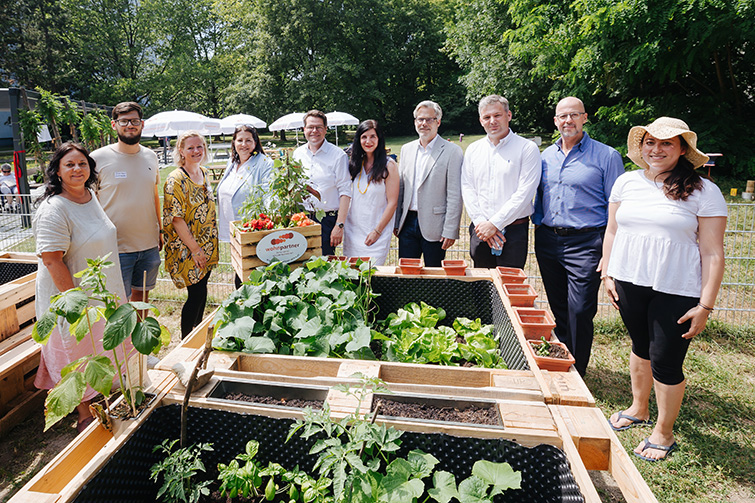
(664, 128)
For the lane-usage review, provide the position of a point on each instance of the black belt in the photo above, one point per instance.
(569, 231)
(333, 213)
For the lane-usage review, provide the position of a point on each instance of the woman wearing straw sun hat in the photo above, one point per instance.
(664, 253)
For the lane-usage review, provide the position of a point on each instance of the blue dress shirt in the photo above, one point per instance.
(574, 189)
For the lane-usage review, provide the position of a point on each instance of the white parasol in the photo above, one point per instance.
(178, 121)
(229, 124)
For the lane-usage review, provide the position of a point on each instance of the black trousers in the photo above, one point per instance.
(193, 310)
(514, 252)
(651, 319)
(567, 266)
(411, 244)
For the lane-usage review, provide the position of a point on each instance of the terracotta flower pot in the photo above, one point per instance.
(455, 267)
(410, 266)
(549, 362)
(520, 294)
(535, 323)
(511, 274)
(336, 258)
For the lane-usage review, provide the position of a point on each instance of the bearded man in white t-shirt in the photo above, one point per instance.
(128, 193)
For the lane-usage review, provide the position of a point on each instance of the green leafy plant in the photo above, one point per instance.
(320, 309)
(248, 480)
(82, 307)
(360, 456)
(178, 470)
(285, 196)
(50, 108)
(410, 335)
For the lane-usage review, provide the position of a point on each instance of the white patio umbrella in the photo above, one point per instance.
(336, 119)
(293, 120)
(228, 124)
(177, 121)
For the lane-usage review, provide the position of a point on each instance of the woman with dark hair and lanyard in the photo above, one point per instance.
(248, 172)
(191, 233)
(374, 195)
(70, 227)
(664, 251)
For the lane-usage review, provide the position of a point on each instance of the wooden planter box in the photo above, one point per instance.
(245, 257)
(520, 294)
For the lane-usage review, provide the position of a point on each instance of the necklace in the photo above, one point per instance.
(359, 181)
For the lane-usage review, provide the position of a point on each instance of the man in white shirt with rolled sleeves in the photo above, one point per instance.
(327, 168)
(500, 176)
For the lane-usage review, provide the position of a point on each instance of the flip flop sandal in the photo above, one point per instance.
(668, 449)
(634, 422)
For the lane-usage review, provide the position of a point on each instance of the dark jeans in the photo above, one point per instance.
(514, 252)
(193, 310)
(411, 244)
(651, 319)
(328, 222)
(567, 266)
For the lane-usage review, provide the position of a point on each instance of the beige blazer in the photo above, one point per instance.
(439, 207)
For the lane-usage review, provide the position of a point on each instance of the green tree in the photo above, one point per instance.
(629, 60)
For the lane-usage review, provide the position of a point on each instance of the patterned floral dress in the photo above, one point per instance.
(195, 204)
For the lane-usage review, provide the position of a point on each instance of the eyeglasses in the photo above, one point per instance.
(126, 122)
(314, 128)
(425, 120)
(573, 116)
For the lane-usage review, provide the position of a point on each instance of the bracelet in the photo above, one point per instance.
(705, 307)
(378, 232)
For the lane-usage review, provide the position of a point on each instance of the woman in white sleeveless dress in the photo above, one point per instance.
(374, 196)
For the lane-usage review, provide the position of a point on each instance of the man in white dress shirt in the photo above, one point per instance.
(327, 168)
(499, 179)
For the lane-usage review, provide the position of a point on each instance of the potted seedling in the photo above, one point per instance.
(551, 355)
(82, 307)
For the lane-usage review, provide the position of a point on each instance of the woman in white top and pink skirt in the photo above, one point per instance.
(663, 262)
(374, 198)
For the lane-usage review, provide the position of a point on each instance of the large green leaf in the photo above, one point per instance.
(362, 338)
(119, 326)
(99, 374)
(444, 487)
(64, 398)
(145, 306)
(146, 335)
(473, 490)
(44, 327)
(404, 492)
(500, 475)
(259, 345)
(80, 328)
(70, 304)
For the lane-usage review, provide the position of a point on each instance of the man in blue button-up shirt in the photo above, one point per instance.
(571, 212)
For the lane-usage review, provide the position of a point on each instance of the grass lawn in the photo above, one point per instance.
(716, 426)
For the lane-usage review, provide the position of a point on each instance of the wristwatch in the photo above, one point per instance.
(340, 225)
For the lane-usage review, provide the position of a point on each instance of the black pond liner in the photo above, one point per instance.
(546, 476)
(468, 299)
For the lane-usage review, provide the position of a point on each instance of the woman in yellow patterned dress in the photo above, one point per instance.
(191, 233)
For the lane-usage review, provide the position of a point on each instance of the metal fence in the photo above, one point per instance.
(735, 304)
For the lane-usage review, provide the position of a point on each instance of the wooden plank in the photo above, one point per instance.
(516, 379)
(622, 469)
(15, 340)
(434, 374)
(18, 290)
(578, 468)
(585, 426)
(516, 414)
(568, 388)
(246, 238)
(302, 366)
(34, 497)
(28, 403)
(472, 274)
(26, 313)
(8, 322)
(18, 356)
(20, 257)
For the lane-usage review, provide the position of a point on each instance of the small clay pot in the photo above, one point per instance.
(455, 267)
(535, 323)
(520, 294)
(410, 266)
(511, 274)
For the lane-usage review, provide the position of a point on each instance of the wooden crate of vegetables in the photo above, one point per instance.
(293, 245)
(273, 225)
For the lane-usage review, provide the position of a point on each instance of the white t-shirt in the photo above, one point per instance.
(656, 239)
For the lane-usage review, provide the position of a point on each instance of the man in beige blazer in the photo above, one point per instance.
(429, 201)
